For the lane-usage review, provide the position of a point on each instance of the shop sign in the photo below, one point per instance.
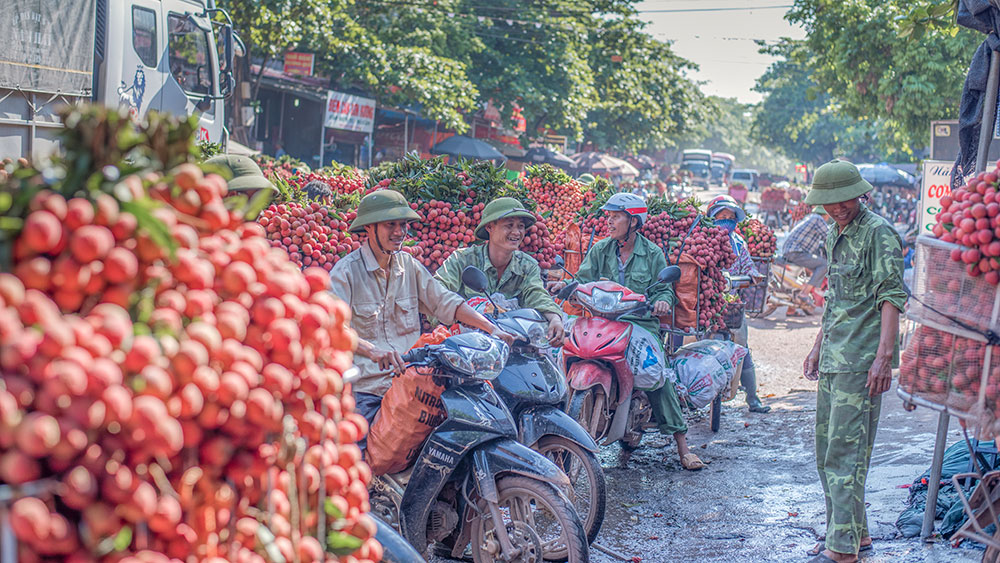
(300, 64)
(350, 113)
(935, 185)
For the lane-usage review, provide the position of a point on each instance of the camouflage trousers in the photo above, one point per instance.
(846, 420)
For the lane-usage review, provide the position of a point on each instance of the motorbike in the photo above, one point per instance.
(394, 547)
(602, 394)
(787, 289)
(473, 486)
(733, 283)
(535, 392)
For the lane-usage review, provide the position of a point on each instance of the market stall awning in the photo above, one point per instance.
(467, 147)
(601, 163)
(641, 161)
(545, 155)
(513, 152)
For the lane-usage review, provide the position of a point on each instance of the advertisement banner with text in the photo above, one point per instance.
(350, 113)
(936, 184)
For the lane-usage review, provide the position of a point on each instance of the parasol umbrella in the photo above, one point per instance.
(883, 175)
(545, 155)
(467, 147)
(642, 162)
(513, 152)
(601, 163)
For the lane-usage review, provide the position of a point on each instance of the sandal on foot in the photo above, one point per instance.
(691, 462)
(822, 558)
(819, 547)
(760, 409)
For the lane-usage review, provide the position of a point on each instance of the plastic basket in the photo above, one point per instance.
(732, 315)
(943, 292)
(755, 296)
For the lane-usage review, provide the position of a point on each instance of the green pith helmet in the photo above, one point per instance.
(835, 182)
(502, 208)
(586, 178)
(382, 205)
(246, 173)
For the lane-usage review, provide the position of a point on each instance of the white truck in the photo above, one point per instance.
(164, 55)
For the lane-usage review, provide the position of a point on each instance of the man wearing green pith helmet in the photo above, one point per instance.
(387, 290)
(512, 274)
(854, 353)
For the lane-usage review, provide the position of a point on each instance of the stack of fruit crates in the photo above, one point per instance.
(951, 361)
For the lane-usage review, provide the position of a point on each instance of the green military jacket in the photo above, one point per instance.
(639, 272)
(522, 279)
(866, 271)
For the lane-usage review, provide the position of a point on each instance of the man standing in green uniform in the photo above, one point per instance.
(511, 273)
(632, 260)
(854, 352)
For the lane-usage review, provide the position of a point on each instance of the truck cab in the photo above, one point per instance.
(722, 166)
(698, 164)
(171, 56)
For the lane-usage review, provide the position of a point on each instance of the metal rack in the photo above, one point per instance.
(755, 296)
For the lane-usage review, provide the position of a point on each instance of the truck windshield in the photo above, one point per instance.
(189, 58)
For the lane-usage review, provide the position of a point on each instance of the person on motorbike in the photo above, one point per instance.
(634, 261)
(514, 277)
(804, 247)
(727, 214)
(387, 289)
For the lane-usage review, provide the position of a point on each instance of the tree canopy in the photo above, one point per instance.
(888, 61)
(584, 68)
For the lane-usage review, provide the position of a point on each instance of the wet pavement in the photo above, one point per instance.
(760, 499)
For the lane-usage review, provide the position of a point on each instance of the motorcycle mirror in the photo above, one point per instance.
(670, 274)
(560, 262)
(474, 279)
(565, 292)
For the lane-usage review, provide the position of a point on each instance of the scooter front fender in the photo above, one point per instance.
(395, 549)
(505, 456)
(545, 420)
(584, 374)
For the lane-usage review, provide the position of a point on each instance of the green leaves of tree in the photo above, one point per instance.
(898, 63)
(583, 68)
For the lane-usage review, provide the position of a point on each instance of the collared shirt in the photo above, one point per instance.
(866, 271)
(637, 273)
(521, 279)
(743, 266)
(808, 235)
(386, 306)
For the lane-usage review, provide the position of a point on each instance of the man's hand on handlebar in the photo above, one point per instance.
(388, 360)
(507, 337)
(661, 308)
(556, 332)
(555, 286)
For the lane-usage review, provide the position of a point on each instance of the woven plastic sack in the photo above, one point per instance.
(410, 411)
(702, 369)
(685, 314)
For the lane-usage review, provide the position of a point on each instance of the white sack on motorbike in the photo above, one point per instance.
(644, 358)
(701, 369)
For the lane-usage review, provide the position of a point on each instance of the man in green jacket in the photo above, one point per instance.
(634, 261)
(511, 273)
(854, 352)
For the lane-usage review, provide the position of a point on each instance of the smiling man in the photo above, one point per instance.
(387, 290)
(854, 353)
(512, 275)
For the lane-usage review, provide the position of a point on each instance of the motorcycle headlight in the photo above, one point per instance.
(605, 302)
(474, 354)
(536, 333)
